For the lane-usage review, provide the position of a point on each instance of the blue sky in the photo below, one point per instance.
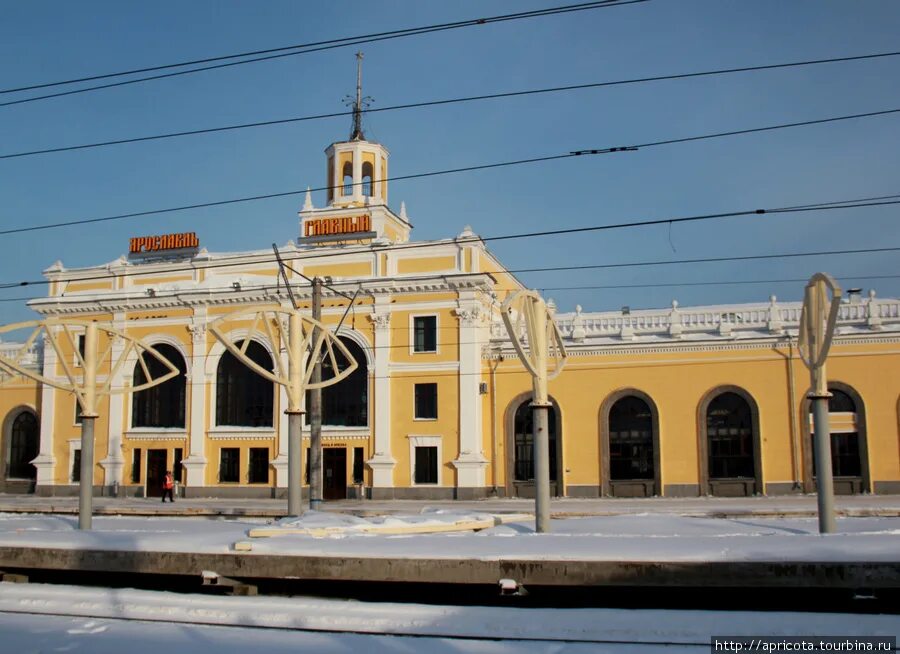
(47, 41)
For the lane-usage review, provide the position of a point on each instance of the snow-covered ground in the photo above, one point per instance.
(646, 537)
(42, 619)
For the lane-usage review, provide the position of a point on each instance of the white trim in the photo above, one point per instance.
(425, 441)
(412, 333)
(439, 366)
(156, 434)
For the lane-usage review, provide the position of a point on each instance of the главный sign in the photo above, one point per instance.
(144, 244)
(325, 226)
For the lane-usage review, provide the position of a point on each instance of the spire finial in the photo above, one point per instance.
(307, 204)
(359, 103)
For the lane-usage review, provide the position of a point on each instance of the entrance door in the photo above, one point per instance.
(156, 470)
(334, 464)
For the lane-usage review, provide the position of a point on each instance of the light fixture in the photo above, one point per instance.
(236, 286)
(151, 292)
(626, 310)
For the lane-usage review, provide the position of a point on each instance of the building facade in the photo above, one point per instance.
(674, 402)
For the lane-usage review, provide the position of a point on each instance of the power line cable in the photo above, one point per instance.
(306, 49)
(415, 246)
(432, 103)
(276, 288)
(578, 153)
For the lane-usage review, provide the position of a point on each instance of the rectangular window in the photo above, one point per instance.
(77, 412)
(80, 351)
(306, 472)
(426, 465)
(425, 334)
(426, 402)
(259, 465)
(136, 466)
(177, 468)
(358, 456)
(76, 466)
(229, 464)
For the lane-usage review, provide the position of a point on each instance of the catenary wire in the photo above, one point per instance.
(577, 153)
(330, 45)
(312, 256)
(432, 103)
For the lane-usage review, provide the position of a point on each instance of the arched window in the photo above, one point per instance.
(524, 442)
(729, 430)
(244, 398)
(367, 174)
(23, 446)
(845, 455)
(348, 179)
(162, 405)
(345, 404)
(630, 440)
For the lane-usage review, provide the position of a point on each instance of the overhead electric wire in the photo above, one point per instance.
(448, 101)
(306, 49)
(406, 246)
(502, 164)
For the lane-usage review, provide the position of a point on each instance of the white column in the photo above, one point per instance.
(44, 462)
(357, 175)
(280, 462)
(382, 463)
(195, 463)
(114, 464)
(471, 464)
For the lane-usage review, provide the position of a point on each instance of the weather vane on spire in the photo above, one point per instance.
(359, 103)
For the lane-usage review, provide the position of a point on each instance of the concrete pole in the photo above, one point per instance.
(822, 453)
(315, 410)
(88, 416)
(295, 417)
(537, 315)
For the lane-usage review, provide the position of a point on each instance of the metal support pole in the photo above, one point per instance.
(86, 484)
(315, 410)
(295, 461)
(541, 467)
(88, 416)
(822, 453)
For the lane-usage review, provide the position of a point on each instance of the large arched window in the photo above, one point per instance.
(845, 456)
(23, 446)
(367, 175)
(346, 404)
(162, 405)
(729, 430)
(630, 440)
(524, 443)
(347, 178)
(244, 398)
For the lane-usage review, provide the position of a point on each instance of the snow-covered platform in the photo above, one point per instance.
(634, 551)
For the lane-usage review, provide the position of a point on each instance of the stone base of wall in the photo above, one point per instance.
(582, 491)
(783, 488)
(886, 487)
(681, 490)
(18, 487)
(431, 493)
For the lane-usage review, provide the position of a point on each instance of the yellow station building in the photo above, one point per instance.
(674, 402)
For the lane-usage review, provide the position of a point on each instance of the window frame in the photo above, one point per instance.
(426, 441)
(416, 415)
(237, 465)
(412, 333)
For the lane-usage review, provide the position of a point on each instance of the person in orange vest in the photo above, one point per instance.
(168, 485)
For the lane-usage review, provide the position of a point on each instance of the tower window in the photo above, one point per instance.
(367, 175)
(348, 179)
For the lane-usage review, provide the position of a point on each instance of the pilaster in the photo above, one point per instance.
(45, 462)
(113, 465)
(382, 463)
(195, 463)
(471, 463)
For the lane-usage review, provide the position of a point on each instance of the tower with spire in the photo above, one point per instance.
(357, 209)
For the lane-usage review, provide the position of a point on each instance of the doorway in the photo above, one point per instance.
(156, 470)
(334, 464)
